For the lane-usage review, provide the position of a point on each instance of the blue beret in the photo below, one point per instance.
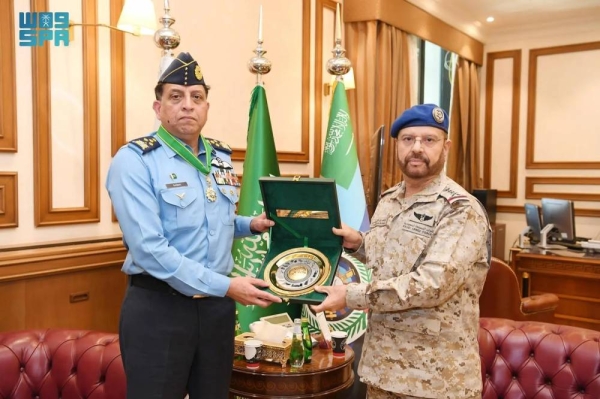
(183, 70)
(421, 115)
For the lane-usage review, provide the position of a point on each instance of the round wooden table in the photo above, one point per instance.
(325, 377)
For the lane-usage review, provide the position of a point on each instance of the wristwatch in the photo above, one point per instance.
(351, 251)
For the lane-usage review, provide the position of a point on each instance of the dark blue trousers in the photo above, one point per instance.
(173, 345)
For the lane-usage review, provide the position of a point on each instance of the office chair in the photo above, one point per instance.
(501, 297)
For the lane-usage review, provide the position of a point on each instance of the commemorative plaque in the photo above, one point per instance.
(303, 251)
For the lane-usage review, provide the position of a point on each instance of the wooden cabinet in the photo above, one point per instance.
(498, 240)
(576, 281)
(72, 286)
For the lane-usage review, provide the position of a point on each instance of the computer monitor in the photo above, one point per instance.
(560, 213)
(488, 198)
(534, 222)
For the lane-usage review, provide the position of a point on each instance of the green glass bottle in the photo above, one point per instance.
(238, 326)
(307, 341)
(297, 349)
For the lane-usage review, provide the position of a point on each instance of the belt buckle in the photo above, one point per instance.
(200, 296)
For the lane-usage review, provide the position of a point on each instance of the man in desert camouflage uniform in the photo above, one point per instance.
(429, 250)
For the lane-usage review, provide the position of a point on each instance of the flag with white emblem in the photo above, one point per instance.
(340, 162)
(260, 161)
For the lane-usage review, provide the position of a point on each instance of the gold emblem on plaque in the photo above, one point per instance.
(297, 271)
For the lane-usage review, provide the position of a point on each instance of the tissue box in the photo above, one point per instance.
(303, 251)
(269, 351)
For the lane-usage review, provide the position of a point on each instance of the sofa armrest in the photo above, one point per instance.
(539, 303)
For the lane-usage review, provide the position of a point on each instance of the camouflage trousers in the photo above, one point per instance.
(376, 393)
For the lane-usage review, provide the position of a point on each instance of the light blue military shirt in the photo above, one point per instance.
(170, 227)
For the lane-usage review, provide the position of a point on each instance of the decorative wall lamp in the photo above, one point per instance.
(137, 17)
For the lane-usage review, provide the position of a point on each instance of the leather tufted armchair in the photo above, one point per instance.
(501, 297)
(530, 359)
(60, 364)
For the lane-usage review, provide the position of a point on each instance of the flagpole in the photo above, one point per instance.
(167, 39)
(260, 161)
(258, 64)
(349, 183)
(339, 65)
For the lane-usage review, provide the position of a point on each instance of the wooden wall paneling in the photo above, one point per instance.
(8, 105)
(40, 262)
(80, 300)
(513, 172)
(117, 84)
(531, 182)
(301, 156)
(117, 79)
(534, 54)
(45, 213)
(520, 209)
(9, 204)
(64, 285)
(12, 297)
(318, 86)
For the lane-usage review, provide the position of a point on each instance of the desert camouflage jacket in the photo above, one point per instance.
(429, 256)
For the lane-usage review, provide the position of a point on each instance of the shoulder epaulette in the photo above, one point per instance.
(146, 144)
(219, 145)
(453, 196)
(390, 190)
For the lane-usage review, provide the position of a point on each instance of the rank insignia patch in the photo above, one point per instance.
(146, 144)
(219, 145)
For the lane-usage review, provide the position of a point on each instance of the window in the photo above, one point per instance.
(436, 74)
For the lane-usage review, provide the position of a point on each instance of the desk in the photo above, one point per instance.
(324, 377)
(574, 277)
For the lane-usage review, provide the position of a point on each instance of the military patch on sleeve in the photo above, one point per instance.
(453, 196)
(146, 144)
(219, 145)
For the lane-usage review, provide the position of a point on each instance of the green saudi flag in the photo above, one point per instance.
(261, 160)
(339, 147)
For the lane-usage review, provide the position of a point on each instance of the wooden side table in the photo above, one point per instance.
(326, 377)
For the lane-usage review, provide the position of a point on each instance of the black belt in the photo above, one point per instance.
(148, 282)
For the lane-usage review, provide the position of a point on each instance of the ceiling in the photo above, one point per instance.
(510, 15)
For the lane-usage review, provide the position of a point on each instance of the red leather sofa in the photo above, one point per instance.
(519, 360)
(534, 360)
(60, 364)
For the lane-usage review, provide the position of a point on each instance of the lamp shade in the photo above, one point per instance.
(138, 17)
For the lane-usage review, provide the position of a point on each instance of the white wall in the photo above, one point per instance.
(220, 35)
(564, 138)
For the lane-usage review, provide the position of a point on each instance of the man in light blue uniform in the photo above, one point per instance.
(174, 193)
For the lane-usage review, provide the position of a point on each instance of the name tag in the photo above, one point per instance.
(176, 185)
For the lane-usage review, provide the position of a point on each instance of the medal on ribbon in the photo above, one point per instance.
(211, 194)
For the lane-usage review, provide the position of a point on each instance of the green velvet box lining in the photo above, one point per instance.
(298, 208)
